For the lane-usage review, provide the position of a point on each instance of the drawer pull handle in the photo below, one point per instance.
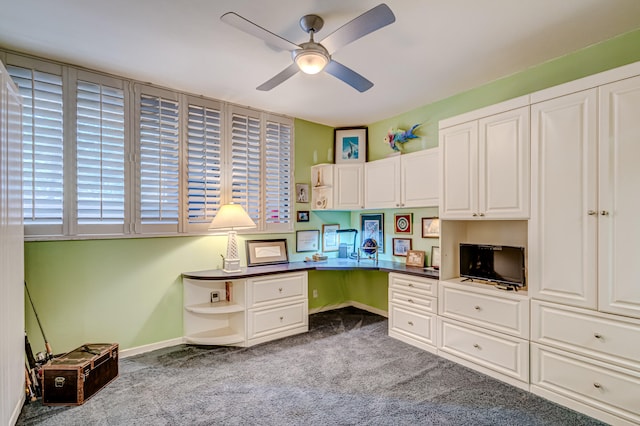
(604, 213)
(281, 318)
(475, 214)
(477, 346)
(477, 308)
(410, 284)
(410, 300)
(597, 335)
(592, 212)
(280, 289)
(597, 385)
(410, 322)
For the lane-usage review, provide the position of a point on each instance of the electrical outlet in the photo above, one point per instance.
(315, 293)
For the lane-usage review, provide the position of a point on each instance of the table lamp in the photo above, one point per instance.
(232, 217)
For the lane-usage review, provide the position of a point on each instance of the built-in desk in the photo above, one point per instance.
(262, 303)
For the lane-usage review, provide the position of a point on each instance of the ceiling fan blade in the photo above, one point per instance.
(349, 76)
(370, 21)
(249, 27)
(279, 78)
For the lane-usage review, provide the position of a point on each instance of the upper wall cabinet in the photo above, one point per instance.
(485, 165)
(337, 187)
(403, 181)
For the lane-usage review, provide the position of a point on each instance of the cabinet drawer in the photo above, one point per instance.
(413, 324)
(426, 286)
(418, 302)
(505, 354)
(273, 320)
(591, 333)
(276, 288)
(487, 308)
(608, 388)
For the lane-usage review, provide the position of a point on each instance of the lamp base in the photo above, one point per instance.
(231, 265)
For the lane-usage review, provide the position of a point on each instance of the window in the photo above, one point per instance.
(278, 174)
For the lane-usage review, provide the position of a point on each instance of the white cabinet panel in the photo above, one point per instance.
(382, 183)
(418, 328)
(459, 171)
(276, 289)
(420, 178)
(349, 187)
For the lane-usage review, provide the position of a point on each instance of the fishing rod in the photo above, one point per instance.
(46, 342)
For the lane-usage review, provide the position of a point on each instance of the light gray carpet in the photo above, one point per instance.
(345, 371)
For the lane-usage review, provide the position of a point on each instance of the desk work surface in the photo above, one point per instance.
(333, 264)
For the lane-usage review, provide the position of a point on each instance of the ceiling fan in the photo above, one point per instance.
(312, 57)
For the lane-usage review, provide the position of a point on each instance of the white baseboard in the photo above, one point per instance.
(348, 304)
(17, 410)
(151, 347)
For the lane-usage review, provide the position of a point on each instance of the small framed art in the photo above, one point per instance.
(303, 216)
(372, 227)
(435, 257)
(401, 246)
(350, 145)
(330, 240)
(302, 192)
(266, 252)
(403, 223)
(307, 240)
(415, 258)
(430, 227)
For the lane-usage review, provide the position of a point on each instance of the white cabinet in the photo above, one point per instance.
(412, 310)
(485, 167)
(408, 180)
(322, 187)
(249, 311)
(337, 187)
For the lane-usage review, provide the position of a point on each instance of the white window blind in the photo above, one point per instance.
(100, 154)
(278, 174)
(246, 185)
(159, 176)
(43, 161)
(204, 174)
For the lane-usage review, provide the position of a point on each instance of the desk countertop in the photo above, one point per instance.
(327, 265)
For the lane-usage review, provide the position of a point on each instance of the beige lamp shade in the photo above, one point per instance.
(232, 216)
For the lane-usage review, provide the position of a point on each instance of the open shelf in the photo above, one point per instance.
(220, 336)
(215, 308)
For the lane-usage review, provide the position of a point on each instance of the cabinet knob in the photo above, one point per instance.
(604, 213)
(281, 318)
(597, 385)
(477, 346)
(280, 289)
(410, 300)
(410, 284)
(475, 214)
(481, 214)
(410, 323)
(397, 205)
(597, 335)
(592, 212)
(477, 308)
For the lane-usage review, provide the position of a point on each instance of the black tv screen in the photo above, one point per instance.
(500, 264)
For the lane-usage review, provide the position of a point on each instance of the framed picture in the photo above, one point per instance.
(401, 246)
(302, 192)
(350, 145)
(415, 258)
(403, 223)
(435, 257)
(430, 227)
(303, 216)
(330, 240)
(266, 252)
(372, 227)
(307, 240)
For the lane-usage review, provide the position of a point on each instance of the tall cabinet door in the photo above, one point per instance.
(563, 226)
(459, 171)
(348, 186)
(619, 223)
(382, 190)
(503, 166)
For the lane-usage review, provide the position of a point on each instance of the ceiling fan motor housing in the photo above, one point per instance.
(311, 23)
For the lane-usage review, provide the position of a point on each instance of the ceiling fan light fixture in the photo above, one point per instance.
(311, 59)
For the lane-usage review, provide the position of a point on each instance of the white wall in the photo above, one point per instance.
(12, 386)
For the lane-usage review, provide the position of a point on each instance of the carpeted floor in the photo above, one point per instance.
(345, 371)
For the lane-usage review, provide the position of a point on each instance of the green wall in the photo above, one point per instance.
(129, 291)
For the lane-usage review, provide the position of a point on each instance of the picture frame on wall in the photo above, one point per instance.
(430, 227)
(302, 216)
(266, 252)
(350, 145)
(415, 258)
(372, 227)
(302, 192)
(401, 246)
(403, 222)
(330, 240)
(307, 240)
(435, 257)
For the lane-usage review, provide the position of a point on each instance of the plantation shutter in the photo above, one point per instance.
(159, 155)
(204, 173)
(278, 174)
(245, 162)
(100, 155)
(43, 159)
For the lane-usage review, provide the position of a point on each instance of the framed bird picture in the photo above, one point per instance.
(350, 145)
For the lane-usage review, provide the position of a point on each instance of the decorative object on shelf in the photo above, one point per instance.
(415, 258)
(372, 227)
(307, 240)
(266, 252)
(403, 223)
(303, 216)
(302, 192)
(232, 217)
(350, 145)
(401, 246)
(430, 227)
(321, 202)
(396, 137)
(435, 257)
(318, 180)
(330, 240)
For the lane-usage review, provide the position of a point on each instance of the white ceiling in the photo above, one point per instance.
(435, 49)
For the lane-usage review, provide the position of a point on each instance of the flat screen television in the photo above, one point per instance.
(493, 263)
